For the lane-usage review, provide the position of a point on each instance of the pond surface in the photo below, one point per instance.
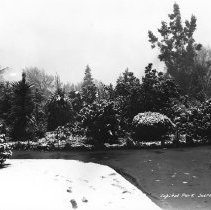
(172, 178)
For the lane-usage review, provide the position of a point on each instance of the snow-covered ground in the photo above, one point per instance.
(67, 184)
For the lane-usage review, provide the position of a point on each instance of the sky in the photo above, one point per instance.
(63, 36)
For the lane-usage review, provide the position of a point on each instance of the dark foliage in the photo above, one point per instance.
(21, 109)
(178, 50)
(100, 122)
(105, 92)
(102, 115)
(157, 91)
(59, 110)
(76, 101)
(6, 102)
(39, 118)
(194, 121)
(127, 92)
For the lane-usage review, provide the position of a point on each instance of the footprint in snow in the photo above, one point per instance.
(69, 190)
(92, 187)
(117, 185)
(116, 180)
(126, 192)
(112, 174)
(74, 204)
(84, 200)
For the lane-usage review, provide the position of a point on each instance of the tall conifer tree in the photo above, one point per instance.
(178, 48)
(88, 87)
(21, 109)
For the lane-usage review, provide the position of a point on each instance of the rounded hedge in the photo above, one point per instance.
(151, 126)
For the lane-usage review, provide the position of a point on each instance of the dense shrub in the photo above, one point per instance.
(76, 101)
(5, 151)
(157, 91)
(100, 122)
(59, 110)
(184, 116)
(6, 96)
(194, 121)
(127, 93)
(206, 119)
(151, 126)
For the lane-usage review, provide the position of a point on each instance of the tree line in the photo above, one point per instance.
(40, 102)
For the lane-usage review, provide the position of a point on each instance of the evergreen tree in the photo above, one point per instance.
(105, 92)
(178, 48)
(127, 92)
(21, 109)
(76, 101)
(88, 89)
(203, 72)
(110, 92)
(157, 91)
(126, 83)
(39, 120)
(59, 110)
(6, 102)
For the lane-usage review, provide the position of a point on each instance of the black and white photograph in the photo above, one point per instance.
(105, 105)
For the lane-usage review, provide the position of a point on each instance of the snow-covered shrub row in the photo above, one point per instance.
(52, 142)
(5, 151)
(151, 126)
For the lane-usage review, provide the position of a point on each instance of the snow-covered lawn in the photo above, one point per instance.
(67, 184)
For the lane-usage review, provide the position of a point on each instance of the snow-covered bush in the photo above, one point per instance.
(194, 121)
(151, 126)
(5, 151)
(100, 122)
